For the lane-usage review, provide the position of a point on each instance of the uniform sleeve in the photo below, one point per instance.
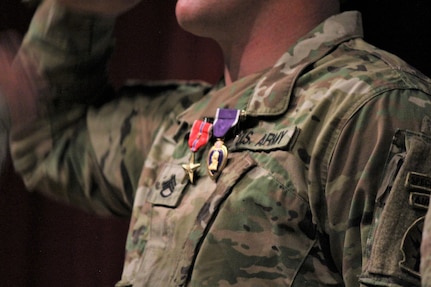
(70, 52)
(54, 153)
(367, 233)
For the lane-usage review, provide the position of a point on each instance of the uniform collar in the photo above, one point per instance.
(271, 95)
(268, 93)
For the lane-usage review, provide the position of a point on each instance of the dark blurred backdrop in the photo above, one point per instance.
(44, 243)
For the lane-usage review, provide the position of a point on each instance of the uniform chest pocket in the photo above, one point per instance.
(260, 236)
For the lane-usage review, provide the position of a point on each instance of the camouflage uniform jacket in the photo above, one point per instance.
(294, 204)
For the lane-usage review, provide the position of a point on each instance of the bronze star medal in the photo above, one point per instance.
(199, 137)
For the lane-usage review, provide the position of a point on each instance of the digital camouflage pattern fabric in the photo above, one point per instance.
(294, 205)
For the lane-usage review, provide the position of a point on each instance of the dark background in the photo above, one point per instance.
(44, 243)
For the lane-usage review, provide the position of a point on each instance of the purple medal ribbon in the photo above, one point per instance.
(225, 119)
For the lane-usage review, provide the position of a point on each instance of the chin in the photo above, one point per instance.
(190, 17)
(184, 16)
(192, 27)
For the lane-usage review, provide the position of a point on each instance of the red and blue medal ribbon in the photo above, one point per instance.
(199, 137)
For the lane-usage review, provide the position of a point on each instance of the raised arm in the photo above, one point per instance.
(61, 51)
(56, 77)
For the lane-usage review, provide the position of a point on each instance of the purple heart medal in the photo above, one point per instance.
(217, 156)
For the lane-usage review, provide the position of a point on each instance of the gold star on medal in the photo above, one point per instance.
(191, 167)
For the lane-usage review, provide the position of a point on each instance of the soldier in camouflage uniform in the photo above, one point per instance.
(312, 183)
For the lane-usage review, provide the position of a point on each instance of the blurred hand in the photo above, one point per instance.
(4, 133)
(102, 7)
(19, 86)
(5, 64)
(19, 81)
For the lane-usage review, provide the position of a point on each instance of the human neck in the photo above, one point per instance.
(269, 38)
(255, 55)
